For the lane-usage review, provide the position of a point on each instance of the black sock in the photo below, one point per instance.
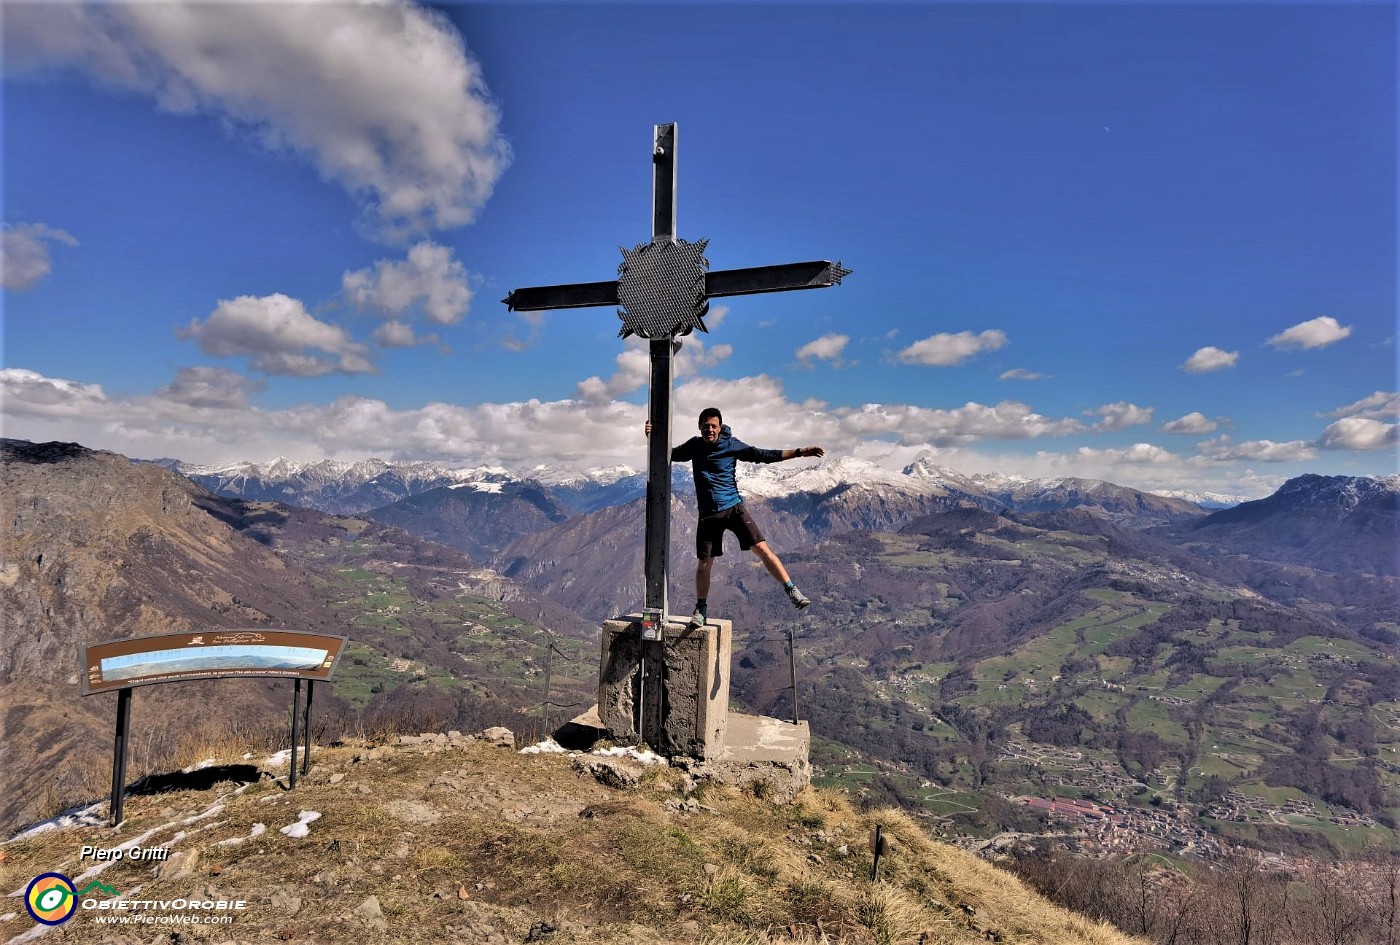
(701, 605)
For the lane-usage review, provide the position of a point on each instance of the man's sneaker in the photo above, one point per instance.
(799, 599)
(697, 619)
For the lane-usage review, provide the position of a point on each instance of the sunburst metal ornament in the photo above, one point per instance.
(836, 272)
(661, 287)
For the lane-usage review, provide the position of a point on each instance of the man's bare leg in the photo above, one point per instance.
(702, 578)
(775, 568)
(702, 591)
(771, 562)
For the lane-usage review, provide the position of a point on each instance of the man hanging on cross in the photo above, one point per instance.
(712, 456)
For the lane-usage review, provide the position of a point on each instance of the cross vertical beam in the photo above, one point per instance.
(658, 504)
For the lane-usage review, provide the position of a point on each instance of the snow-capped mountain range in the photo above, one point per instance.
(356, 487)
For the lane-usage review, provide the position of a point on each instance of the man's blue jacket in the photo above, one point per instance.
(713, 466)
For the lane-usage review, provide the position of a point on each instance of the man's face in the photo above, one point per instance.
(709, 429)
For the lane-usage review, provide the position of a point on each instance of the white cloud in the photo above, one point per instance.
(1120, 415)
(1007, 420)
(1137, 454)
(30, 394)
(826, 348)
(634, 367)
(1021, 374)
(24, 253)
(204, 386)
(429, 277)
(633, 371)
(1210, 359)
(1315, 333)
(381, 98)
(397, 334)
(1359, 433)
(1382, 405)
(1194, 422)
(204, 416)
(694, 357)
(277, 333)
(1221, 450)
(944, 349)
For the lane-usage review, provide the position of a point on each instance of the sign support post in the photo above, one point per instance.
(119, 751)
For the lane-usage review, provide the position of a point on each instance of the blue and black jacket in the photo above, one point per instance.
(713, 467)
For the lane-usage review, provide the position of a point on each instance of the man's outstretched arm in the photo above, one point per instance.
(753, 454)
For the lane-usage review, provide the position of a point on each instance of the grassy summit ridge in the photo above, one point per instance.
(446, 839)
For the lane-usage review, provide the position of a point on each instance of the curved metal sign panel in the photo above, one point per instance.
(210, 654)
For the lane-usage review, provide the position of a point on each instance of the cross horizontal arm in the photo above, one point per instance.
(544, 297)
(756, 279)
(818, 274)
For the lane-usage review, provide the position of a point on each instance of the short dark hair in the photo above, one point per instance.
(709, 412)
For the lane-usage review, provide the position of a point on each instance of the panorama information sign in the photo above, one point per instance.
(208, 654)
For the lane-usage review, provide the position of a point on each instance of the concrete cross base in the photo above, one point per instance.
(672, 695)
(772, 756)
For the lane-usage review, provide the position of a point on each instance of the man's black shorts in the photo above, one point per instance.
(709, 534)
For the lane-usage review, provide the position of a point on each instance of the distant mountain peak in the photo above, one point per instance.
(23, 451)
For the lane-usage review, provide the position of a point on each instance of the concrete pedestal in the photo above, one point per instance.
(673, 694)
(772, 756)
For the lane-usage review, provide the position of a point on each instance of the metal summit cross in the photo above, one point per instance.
(663, 288)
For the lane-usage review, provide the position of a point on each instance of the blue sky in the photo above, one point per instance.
(1149, 243)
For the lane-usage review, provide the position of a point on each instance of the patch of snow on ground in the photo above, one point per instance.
(281, 758)
(87, 816)
(550, 747)
(645, 757)
(303, 826)
(547, 747)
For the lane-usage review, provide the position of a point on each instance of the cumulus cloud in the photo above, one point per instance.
(634, 367)
(1137, 454)
(1021, 374)
(429, 278)
(1382, 405)
(1194, 422)
(394, 334)
(186, 419)
(1007, 420)
(30, 394)
(1221, 450)
(1315, 333)
(1210, 359)
(24, 253)
(382, 98)
(206, 386)
(945, 349)
(1120, 415)
(1359, 433)
(204, 416)
(826, 348)
(280, 337)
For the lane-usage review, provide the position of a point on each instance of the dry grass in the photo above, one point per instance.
(481, 844)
